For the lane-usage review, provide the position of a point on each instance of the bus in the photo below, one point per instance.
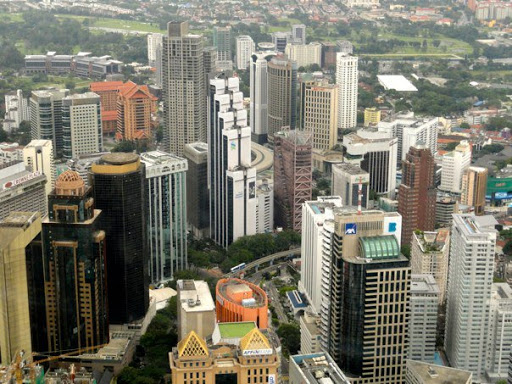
(237, 268)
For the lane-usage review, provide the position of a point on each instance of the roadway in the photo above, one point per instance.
(263, 157)
(266, 259)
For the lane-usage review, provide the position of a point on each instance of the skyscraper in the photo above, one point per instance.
(155, 41)
(245, 47)
(259, 95)
(46, 117)
(369, 309)
(81, 125)
(74, 268)
(417, 193)
(119, 191)
(282, 95)
(347, 180)
(299, 33)
(346, 80)
(38, 157)
(183, 88)
(222, 42)
(280, 39)
(319, 113)
(472, 250)
(474, 184)
(231, 179)
(167, 214)
(292, 177)
(455, 164)
(107, 91)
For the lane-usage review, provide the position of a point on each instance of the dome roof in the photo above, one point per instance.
(69, 183)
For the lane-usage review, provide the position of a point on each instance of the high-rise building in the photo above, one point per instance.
(351, 183)
(423, 320)
(500, 332)
(183, 88)
(445, 206)
(107, 90)
(329, 51)
(155, 41)
(474, 184)
(265, 206)
(222, 43)
(292, 177)
(314, 215)
(259, 95)
(198, 198)
(315, 368)
(310, 336)
(245, 47)
(167, 214)
(46, 117)
(74, 257)
(38, 157)
(346, 80)
(472, 249)
(375, 155)
(81, 125)
(426, 373)
(417, 193)
(196, 309)
(119, 191)
(17, 231)
(282, 95)
(280, 39)
(21, 190)
(305, 54)
(430, 255)
(16, 109)
(134, 107)
(231, 179)
(319, 113)
(369, 298)
(238, 300)
(371, 116)
(411, 131)
(299, 33)
(454, 165)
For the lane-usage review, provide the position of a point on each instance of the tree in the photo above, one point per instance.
(507, 249)
(124, 146)
(289, 334)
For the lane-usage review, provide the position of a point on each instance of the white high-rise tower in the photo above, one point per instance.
(346, 80)
(244, 49)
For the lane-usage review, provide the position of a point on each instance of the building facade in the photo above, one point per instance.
(196, 309)
(474, 185)
(259, 95)
(454, 165)
(351, 183)
(107, 91)
(305, 54)
(38, 157)
(265, 206)
(222, 43)
(347, 80)
(245, 47)
(155, 42)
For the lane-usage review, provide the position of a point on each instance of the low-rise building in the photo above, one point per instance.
(10, 152)
(424, 373)
(315, 368)
(196, 310)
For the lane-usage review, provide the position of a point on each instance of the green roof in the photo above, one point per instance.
(235, 330)
(379, 247)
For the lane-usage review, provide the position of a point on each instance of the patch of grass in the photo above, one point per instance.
(12, 17)
(105, 22)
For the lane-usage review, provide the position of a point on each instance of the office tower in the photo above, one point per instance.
(426, 373)
(259, 95)
(329, 51)
(38, 157)
(319, 113)
(245, 47)
(249, 353)
(314, 215)
(371, 116)
(198, 198)
(351, 183)
(472, 249)
(46, 117)
(17, 231)
(445, 207)
(375, 155)
(196, 309)
(423, 320)
(369, 296)
(474, 184)
(292, 177)
(500, 332)
(430, 255)
(167, 214)
(310, 335)
(417, 193)
(454, 165)
(299, 33)
(81, 125)
(183, 88)
(231, 179)
(134, 107)
(222, 42)
(107, 91)
(74, 260)
(238, 300)
(155, 41)
(282, 95)
(305, 54)
(119, 191)
(410, 131)
(280, 39)
(346, 80)
(210, 64)
(264, 206)
(315, 368)
(21, 190)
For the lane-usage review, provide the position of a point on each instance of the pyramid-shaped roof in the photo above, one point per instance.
(254, 340)
(192, 346)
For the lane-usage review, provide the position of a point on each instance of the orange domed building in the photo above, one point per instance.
(238, 300)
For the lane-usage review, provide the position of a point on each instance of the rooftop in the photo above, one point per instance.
(119, 158)
(436, 374)
(423, 284)
(235, 330)
(195, 296)
(319, 368)
(379, 247)
(397, 82)
(351, 169)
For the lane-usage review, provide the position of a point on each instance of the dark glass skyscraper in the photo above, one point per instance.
(74, 268)
(118, 180)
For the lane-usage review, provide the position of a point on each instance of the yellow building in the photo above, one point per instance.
(249, 359)
(371, 116)
(17, 231)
